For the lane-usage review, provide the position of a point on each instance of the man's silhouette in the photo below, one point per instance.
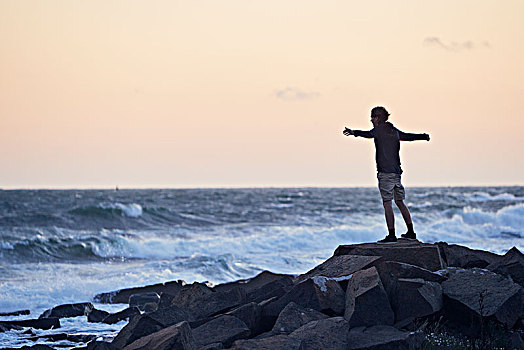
(387, 146)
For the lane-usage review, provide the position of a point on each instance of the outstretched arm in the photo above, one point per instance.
(367, 134)
(404, 136)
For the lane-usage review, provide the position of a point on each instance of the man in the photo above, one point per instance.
(387, 146)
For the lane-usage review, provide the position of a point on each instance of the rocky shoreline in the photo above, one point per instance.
(366, 296)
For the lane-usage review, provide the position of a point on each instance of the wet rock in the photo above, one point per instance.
(169, 316)
(367, 302)
(122, 296)
(383, 338)
(294, 316)
(141, 299)
(330, 333)
(97, 315)
(41, 323)
(4, 327)
(472, 293)
(270, 343)
(178, 336)
(341, 266)
(68, 310)
(15, 313)
(464, 257)
(100, 345)
(250, 314)
(138, 327)
(411, 252)
(223, 329)
(121, 315)
(415, 298)
(318, 293)
(510, 264)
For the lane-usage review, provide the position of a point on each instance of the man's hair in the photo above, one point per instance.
(381, 113)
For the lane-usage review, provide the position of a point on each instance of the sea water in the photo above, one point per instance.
(65, 246)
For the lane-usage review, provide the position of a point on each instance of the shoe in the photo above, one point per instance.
(388, 239)
(409, 235)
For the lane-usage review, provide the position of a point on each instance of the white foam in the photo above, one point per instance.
(133, 210)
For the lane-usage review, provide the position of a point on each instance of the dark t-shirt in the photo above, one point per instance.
(387, 145)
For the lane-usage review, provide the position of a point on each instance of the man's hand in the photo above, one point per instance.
(427, 137)
(348, 132)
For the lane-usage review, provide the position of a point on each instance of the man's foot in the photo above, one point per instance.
(388, 239)
(409, 235)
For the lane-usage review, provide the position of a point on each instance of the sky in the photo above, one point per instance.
(242, 93)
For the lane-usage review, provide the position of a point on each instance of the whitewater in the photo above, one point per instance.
(65, 246)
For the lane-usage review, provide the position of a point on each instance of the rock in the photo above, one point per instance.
(330, 333)
(272, 289)
(15, 313)
(223, 329)
(170, 316)
(68, 310)
(393, 269)
(4, 327)
(367, 302)
(141, 299)
(122, 296)
(341, 266)
(100, 345)
(149, 307)
(97, 315)
(510, 264)
(515, 342)
(121, 315)
(32, 347)
(165, 300)
(470, 294)
(41, 323)
(294, 316)
(201, 301)
(250, 314)
(407, 251)
(178, 336)
(415, 298)
(138, 327)
(318, 293)
(383, 338)
(460, 256)
(270, 343)
(252, 284)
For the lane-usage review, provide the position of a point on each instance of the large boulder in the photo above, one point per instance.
(367, 302)
(125, 314)
(68, 310)
(407, 251)
(96, 315)
(224, 329)
(473, 294)
(383, 338)
(252, 284)
(141, 299)
(510, 264)
(138, 327)
(459, 256)
(318, 293)
(178, 336)
(415, 298)
(41, 323)
(341, 266)
(270, 343)
(330, 333)
(250, 314)
(170, 315)
(294, 316)
(122, 296)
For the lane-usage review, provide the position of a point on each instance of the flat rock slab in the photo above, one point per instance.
(68, 310)
(330, 333)
(271, 343)
(476, 292)
(252, 284)
(41, 323)
(224, 329)
(295, 316)
(340, 266)
(464, 257)
(367, 302)
(178, 336)
(410, 252)
(122, 296)
(383, 338)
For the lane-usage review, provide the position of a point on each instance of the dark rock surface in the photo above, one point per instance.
(251, 315)
(415, 298)
(383, 338)
(96, 315)
(121, 315)
(270, 343)
(15, 313)
(341, 266)
(141, 299)
(510, 264)
(138, 327)
(224, 329)
(294, 316)
(330, 333)
(460, 256)
(367, 302)
(68, 310)
(178, 336)
(122, 296)
(41, 323)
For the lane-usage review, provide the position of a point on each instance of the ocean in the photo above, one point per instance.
(65, 246)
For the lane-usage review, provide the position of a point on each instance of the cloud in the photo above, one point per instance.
(293, 94)
(454, 45)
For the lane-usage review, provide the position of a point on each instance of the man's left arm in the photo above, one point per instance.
(405, 136)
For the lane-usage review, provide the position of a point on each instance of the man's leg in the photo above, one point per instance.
(390, 216)
(407, 218)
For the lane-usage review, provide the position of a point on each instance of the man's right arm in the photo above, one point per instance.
(362, 133)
